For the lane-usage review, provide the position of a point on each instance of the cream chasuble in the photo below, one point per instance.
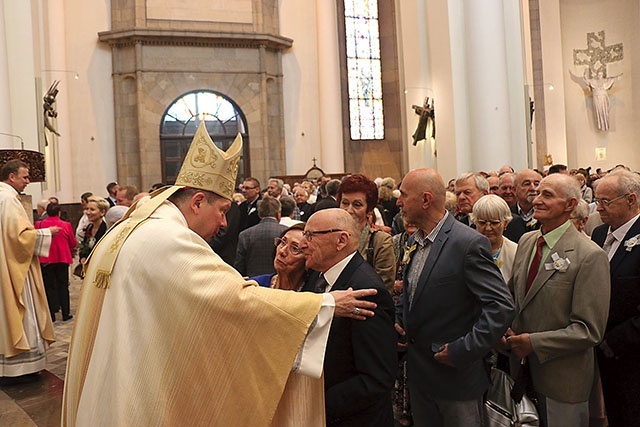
(25, 322)
(178, 337)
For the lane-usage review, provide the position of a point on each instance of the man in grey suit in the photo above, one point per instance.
(561, 289)
(255, 244)
(453, 309)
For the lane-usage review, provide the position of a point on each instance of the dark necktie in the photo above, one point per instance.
(321, 284)
(535, 263)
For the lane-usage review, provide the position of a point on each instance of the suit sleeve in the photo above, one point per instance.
(589, 311)
(374, 353)
(241, 255)
(485, 282)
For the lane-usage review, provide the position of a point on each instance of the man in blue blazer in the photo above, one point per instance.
(360, 360)
(454, 307)
(618, 195)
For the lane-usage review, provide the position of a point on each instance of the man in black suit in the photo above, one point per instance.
(360, 360)
(225, 243)
(527, 182)
(255, 244)
(330, 201)
(455, 307)
(618, 195)
(249, 208)
(469, 188)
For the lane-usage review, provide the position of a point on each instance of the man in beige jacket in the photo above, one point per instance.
(561, 289)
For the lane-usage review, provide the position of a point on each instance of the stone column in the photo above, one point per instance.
(487, 78)
(329, 99)
(5, 95)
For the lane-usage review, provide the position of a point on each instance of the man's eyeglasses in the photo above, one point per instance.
(606, 203)
(279, 241)
(309, 234)
(244, 187)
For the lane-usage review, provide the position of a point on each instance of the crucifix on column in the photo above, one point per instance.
(596, 57)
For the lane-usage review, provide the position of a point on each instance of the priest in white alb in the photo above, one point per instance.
(166, 333)
(25, 321)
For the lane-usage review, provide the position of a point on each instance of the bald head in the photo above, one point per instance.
(422, 198)
(330, 236)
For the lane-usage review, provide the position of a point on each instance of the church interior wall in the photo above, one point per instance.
(90, 108)
(620, 21)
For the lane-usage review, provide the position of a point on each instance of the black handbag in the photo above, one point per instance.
(501, 410)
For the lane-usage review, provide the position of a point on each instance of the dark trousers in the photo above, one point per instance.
(56, 285)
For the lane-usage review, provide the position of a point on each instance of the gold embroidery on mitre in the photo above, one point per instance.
(206, 167)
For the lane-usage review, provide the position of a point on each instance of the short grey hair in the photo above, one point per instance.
(568, 185)
(491, 207)
(481, 182)
(628, 182)
(507, 175)
(581, 211)
(278, 181)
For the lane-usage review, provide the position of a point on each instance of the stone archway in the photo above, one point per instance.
(224, 121)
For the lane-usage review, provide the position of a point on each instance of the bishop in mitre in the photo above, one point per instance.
(25, 321)
(166, 333)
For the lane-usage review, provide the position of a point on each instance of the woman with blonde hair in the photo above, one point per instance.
(491, 214)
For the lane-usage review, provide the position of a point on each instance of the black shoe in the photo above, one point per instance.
(65, 318)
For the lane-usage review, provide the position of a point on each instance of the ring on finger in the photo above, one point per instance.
(356, 311)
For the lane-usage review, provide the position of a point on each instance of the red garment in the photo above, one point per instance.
(62, 244)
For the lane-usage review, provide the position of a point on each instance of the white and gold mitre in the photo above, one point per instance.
(206, 167)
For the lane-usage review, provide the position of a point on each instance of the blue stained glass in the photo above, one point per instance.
(364, 74)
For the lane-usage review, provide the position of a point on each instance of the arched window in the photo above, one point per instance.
(223, 118)
(364, 69)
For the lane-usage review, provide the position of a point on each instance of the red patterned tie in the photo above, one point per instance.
(535, 263)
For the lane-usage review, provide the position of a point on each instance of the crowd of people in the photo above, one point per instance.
(425, 286)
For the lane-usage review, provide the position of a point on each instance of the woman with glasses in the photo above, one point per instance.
(491, 215)
(288, 262)
(358, 195)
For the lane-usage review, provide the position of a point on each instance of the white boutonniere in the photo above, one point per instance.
(634, 241)
(560, 264)
(407, 253)
(532, 222)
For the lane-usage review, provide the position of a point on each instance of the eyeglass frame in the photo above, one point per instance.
(492, 222)
(606, 203)
(295, 250)
(307, 234)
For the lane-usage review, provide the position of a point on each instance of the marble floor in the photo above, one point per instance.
(37, 400)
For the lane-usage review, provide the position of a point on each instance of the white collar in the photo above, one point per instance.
(622, 231)
(332, 274)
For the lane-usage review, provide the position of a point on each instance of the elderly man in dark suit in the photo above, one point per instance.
(561, 289)
(454, 307)
(527, 182)
(618, 197)
(255, 244)
(360, 360)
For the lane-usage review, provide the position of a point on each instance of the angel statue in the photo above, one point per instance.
(599, 85)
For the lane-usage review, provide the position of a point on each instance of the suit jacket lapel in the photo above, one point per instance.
(343, 279)
(622, 251)
(564, 246)
(434, 253)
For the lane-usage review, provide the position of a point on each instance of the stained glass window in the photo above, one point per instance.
(364, 76)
